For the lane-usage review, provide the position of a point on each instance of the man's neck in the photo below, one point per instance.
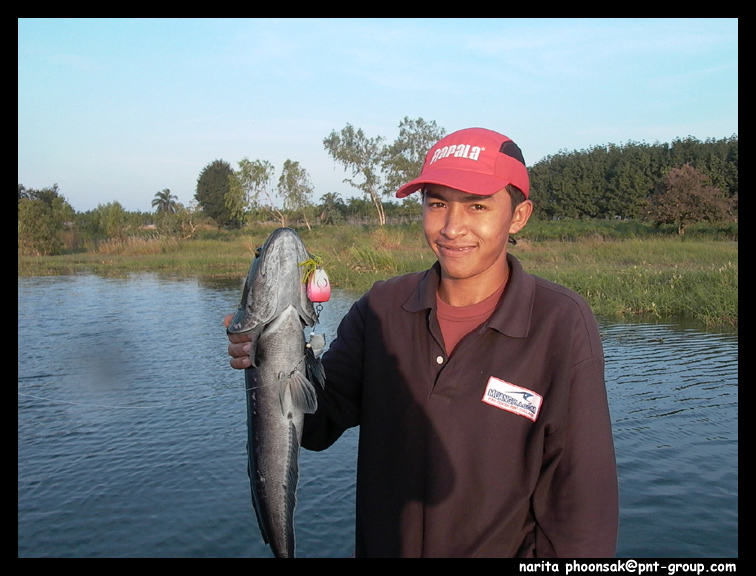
(469, 291)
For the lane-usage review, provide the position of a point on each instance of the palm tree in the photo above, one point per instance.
(332, 208)
(165, 202)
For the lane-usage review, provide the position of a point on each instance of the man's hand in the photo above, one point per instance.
(238, 348)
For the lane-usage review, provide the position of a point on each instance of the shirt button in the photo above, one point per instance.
(440, 360)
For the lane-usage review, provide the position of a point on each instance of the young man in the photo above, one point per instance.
(478, 388)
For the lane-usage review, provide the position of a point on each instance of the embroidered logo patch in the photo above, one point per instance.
(511, 398)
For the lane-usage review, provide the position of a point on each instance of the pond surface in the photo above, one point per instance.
(132, 430)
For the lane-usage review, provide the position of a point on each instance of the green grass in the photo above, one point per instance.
(659, 277)
(623, 272)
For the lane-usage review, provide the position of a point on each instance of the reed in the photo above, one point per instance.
(622, 277)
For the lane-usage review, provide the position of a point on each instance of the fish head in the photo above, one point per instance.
(273, 283)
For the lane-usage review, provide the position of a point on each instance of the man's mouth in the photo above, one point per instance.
(454, 250)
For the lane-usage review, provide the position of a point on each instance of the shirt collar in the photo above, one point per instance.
(424, 295)
(513, 313)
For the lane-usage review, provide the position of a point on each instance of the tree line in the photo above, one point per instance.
(681, 182)
(235, 197)
(630, 181)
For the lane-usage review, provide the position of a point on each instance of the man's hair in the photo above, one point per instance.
(516, 195)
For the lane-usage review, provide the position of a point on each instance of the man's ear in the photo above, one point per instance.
(521, 216)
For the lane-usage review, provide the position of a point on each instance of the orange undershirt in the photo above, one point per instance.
(458, 321)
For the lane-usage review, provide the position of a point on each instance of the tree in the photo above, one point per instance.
(22, 192)
(685, 196)
(165, 202)
(616, 181)
(403, 159)
(252, 184)
(43, 216)
(112, 219)
(213, 190)
(295, 187)
(332, 209)
(362, 157)
(182, 223)
(630, 180)
(383, 169)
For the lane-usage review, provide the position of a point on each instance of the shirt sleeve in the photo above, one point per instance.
(576, 504)
(339, 400)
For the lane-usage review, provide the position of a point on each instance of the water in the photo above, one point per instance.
(132, 430)
(674, 400)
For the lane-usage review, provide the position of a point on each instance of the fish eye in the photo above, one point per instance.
(258, 251)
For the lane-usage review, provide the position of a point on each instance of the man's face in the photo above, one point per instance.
(469, 233)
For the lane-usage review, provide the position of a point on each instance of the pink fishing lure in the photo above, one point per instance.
(318, 286)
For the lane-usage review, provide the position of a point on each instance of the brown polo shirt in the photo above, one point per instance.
(503, 449)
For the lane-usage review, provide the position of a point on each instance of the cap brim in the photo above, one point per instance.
(466, 181)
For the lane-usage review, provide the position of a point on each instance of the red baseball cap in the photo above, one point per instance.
(474, 160)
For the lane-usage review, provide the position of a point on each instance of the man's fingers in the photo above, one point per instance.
(239, 353)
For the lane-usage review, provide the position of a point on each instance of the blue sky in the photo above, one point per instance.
(119, 109)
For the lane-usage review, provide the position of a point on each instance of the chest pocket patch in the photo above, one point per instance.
(515, 399)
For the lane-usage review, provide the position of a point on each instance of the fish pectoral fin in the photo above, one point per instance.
(301, 391)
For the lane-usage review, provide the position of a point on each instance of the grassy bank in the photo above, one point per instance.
(622, 275)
